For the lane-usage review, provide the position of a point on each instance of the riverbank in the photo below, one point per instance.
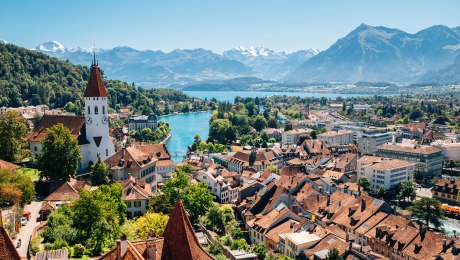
(166, 138)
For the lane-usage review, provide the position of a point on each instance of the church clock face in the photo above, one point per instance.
(104, 120)
(89, 120)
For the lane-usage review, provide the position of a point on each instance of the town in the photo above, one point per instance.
(277, 178)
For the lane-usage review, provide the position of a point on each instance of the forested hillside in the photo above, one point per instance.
(40, 79)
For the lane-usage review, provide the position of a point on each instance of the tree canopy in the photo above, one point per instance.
(428, 211)
(13, 131)
(100, 173)
(60, 154)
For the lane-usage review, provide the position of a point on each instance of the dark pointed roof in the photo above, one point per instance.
(7, 249)
(180, 241)
(95, 87)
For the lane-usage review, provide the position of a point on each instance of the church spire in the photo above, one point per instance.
(95, 87)
(180, 241)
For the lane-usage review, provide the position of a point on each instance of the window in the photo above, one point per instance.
(106, 152)
(89, 110)
(128, 204)
(96, 110)
(103, 109)
(137, 204)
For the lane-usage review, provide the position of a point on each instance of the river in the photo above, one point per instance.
(185, 126)
(183, 129)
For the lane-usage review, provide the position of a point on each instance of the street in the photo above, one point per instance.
(26, 231)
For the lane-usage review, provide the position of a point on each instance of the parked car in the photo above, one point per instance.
(27, 215)
(23, 221)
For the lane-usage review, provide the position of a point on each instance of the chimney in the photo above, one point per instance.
(422, 232)
(328, 201)
(444, 245)
(123, 150)
(317, 197)
(121, 245)
(151, 250)
(363, 205)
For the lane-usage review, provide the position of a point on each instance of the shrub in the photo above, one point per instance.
(35, 245)
(78, 250)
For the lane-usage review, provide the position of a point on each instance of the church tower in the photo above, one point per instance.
(96, 116)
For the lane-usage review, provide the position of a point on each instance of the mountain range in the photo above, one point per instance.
(366, 54)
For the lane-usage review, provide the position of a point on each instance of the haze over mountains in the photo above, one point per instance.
(368, 53)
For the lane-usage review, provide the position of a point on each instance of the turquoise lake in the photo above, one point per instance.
(183, 129)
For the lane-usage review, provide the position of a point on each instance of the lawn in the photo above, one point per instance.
(32, 173)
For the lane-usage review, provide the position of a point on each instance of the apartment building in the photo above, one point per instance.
(428, 159)
(339, 137)
(293, 136)
(370, 138)
(138, 123)
(384, 172)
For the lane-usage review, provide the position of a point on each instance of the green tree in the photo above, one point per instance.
(260, 123)
(222, 131)
(72, 108)
(138, 228)
(161, 203)
(288, 127)
(365, 183)
(333, 254)
(60, 156)
(239, 244)
(273, 123)
(13, 131)
(16, 186)
(99, 214)
(381, 192)
(407, 190)
(428, 211)
(215, 219)
(61, 226)
(259, 250)
(100, 173)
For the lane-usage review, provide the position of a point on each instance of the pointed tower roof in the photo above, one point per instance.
(95, 87)
(180, 241)
(7, 249)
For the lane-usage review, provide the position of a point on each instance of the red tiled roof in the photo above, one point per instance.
(95, 87)
(7, 249)
(8, 166)
(68, 191)
(75, 124)
(135, 190)
(180, 241)
(136, 155)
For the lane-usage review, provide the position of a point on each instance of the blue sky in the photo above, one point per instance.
(211, 24)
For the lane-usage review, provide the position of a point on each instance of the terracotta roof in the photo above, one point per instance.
(7, 249)
(357, 212)
(95, 87)
(334, 175)
(371, 222)
(328, 242)
(135, 189)
(315, 147)
(180, 241)
(48, 206)
(136, 155)
(135, 250)
(287, 226)
(75, 124)
(8, 166)
(426, 245)
(68, 191)
(401, 230)
(263, 223)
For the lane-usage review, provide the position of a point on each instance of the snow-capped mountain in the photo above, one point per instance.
(380, 54)
(269, 63)
(3, 41)
(51, 46)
